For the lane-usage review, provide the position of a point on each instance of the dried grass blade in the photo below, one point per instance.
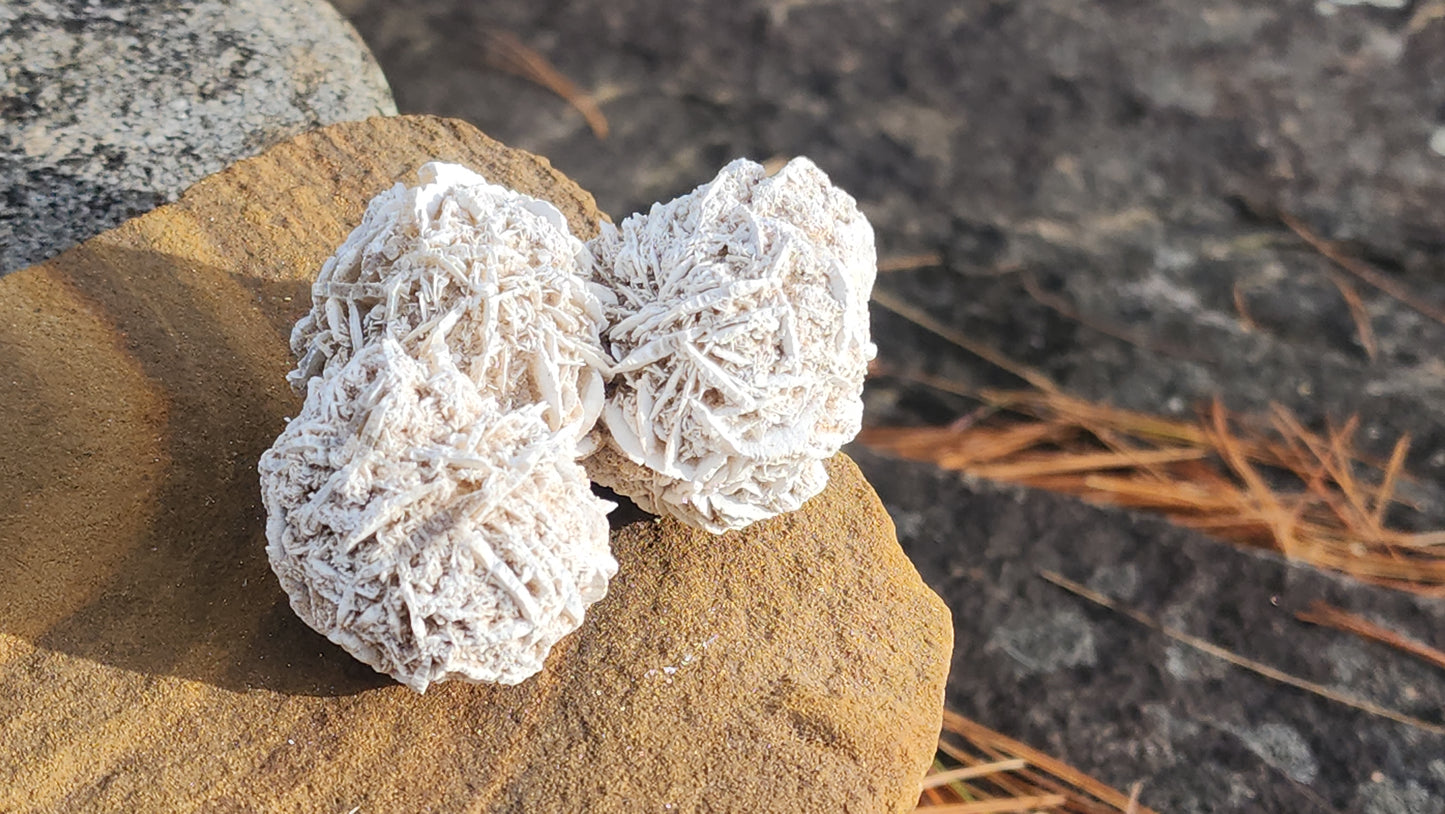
(1061, 463)
(1007, 805)
(1341, 451)
(1163, 496)
(1418, 572)
(1257, 667)
(977, 733)
(943, 778)
(1359, 314)
(1059, 306)
(1077, 803)
(1423, 17)
(1327, 615)
(1387, 486)
(1362, 271)
(1241, 306)
(1133, 806)
(887, 300)
(930, 796)
(1123, 444)
(1423, 539)
(1282, 521)
(956, 449)
(1089, 414)
(939, 383)
(955, 752)
(909, 262)
(1316, 467)
(515, 57)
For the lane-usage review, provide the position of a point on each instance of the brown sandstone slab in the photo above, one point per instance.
(149, 662)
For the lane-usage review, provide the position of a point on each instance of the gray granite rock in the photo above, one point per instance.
(1133, 161)
(1128, 704)
(111, 107)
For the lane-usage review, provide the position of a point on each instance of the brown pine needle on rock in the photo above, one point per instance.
(1321, 613)
(1241, 307)
(1359, 313)
(1361, 270)
(507, 53)
(1009, 805)
(1425, 15)
(1060, 464)
(943, 778)
(999, 774)
(910, 262)
(918, 317)
(1256, 667)
(1059, 306)
(954, 448)
(1133, 805)
(1267, 482)
(1387, 485)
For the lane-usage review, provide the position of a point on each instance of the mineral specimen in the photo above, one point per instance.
(738, 330)
(427, 529)
(504, 269)
(426, 510)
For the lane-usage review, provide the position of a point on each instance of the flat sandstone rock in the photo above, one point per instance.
(148, 659)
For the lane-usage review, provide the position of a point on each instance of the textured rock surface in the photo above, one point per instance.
(109, 108)
(1127, 704)
(1133, 163)
(148, 662)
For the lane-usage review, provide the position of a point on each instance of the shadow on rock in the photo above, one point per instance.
(186, 591)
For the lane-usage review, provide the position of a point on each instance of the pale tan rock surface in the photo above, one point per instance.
(149, 661)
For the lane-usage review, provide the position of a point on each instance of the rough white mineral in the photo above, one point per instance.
(427, 528)
(739, 341)
(501, 265)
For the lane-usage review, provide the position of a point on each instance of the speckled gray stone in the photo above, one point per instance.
(1127, 704)
(110, 108)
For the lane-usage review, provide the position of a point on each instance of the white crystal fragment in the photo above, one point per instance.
(738, 335)
(427, 528)
(497, 271)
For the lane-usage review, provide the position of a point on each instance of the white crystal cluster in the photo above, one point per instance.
(426, 510)
(428, 530)
(497, 271)
(738, 330)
